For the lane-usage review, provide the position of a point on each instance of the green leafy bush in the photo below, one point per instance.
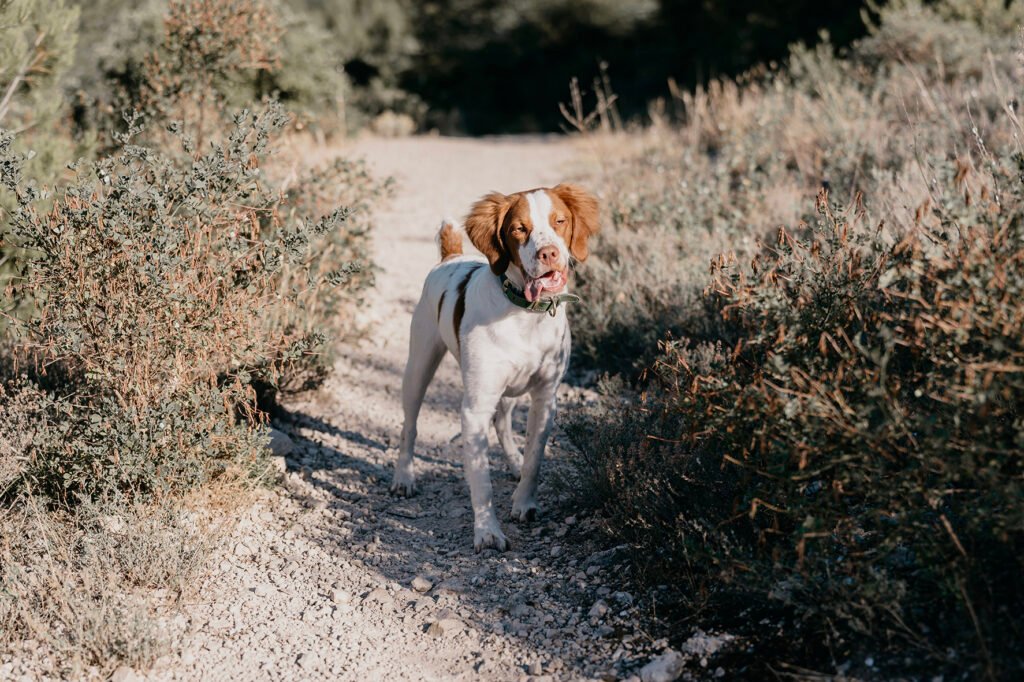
(152, 278)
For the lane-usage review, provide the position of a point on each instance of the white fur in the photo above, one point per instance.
(542, 235)
(504, 352)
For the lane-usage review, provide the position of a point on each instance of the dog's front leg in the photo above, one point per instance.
(539, 424)
(477, 413)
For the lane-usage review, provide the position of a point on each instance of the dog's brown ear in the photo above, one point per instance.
(585, 217)
(483, 226)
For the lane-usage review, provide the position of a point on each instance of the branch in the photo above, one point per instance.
(19, 77)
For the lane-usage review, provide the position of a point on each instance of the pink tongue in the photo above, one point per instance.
(535, 287)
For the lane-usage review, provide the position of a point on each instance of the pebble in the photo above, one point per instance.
(280, 444)
(598, 609)
(421, 584)
(665, 668)
(125, 674)
(307, 660)
(380, 595)
(445, 627)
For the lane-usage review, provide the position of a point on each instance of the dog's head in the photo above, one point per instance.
(536, 232)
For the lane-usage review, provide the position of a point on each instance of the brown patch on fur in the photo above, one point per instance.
(584, 217)
(498, 223)
(460, 306)
(450, 241)
(440, 304)
(483, 226)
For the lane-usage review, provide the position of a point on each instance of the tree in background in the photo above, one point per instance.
(377, 43)
(37, 46)
(534, 48)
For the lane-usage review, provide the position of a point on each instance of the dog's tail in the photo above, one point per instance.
(449, 239)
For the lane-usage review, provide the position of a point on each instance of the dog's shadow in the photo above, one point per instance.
(430, 535)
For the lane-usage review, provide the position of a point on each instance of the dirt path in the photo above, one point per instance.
(317, 581)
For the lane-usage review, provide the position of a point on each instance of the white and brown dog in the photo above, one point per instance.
(506, 327)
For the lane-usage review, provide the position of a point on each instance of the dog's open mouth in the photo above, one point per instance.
(549, 283)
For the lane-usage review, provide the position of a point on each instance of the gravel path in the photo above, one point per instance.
(329, 577)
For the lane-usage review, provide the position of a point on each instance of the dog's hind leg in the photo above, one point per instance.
(503, 426)
(539, 424)
(426, 350)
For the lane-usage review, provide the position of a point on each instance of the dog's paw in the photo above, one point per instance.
(403, 483)
(525, 510)
(490, 537)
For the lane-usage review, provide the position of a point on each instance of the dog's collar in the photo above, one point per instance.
(541, 305)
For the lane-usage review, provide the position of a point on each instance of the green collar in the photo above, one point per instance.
(541, 305)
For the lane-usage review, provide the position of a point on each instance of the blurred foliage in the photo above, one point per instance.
(824, 452)
(343, 63)
(486, 66)
(377, 44)
(37, 44)
(125, 42)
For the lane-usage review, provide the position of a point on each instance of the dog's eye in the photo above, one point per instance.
(560, 221)
(519, 229)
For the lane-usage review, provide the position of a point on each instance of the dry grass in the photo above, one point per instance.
(86, 591)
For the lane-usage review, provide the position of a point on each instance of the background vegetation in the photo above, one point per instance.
(808, 300)
(436, 62)
(165, 276)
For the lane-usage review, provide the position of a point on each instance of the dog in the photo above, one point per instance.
(503, 318)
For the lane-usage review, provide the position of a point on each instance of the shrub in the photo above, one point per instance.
(743, 157)
(191, 60)
(851, 455)
(152, 279)
(824, 454)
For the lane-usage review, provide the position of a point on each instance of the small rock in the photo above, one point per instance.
(598, 609)
(535, 668)
(111, 523)
(307, 661)
(339, 596)
(445, 627)
(264, 590)
(280, 444)
(665, 668)
(124, 674)
(379, 594)
(421, 584)
(278, 465)
(242, 549)
(624, 598)
(703, 644)
(520, 611)
(557, 551)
